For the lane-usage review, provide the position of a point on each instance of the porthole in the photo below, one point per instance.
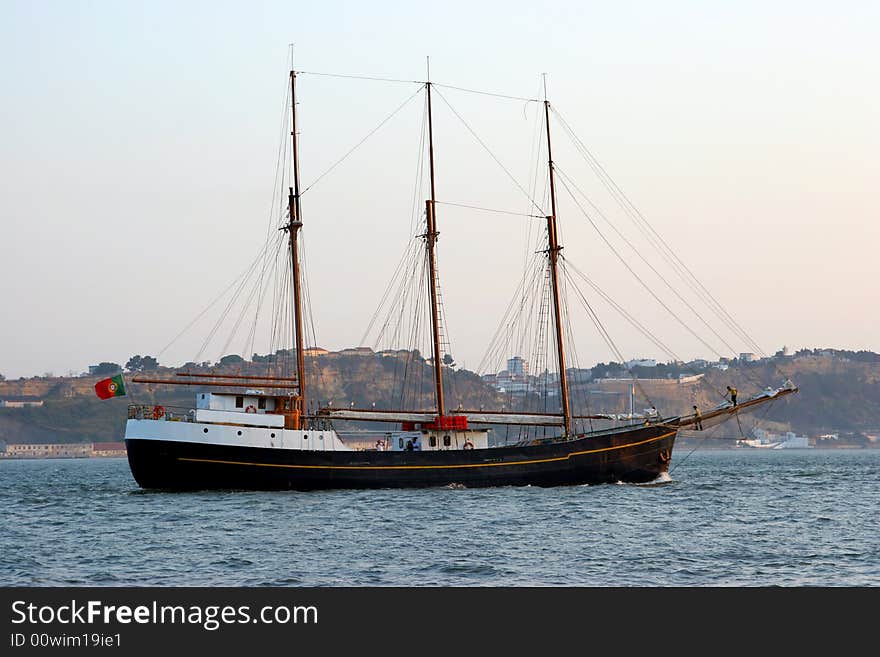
(400, 442)
(205, 429)
(272, 435)
(447, 441)
(239, 433)
(305, 437)
(433, 441)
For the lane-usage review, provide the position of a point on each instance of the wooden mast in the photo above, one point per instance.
(293, 232)
(431, 241)
(553, 255)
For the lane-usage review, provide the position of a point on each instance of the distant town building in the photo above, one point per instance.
(61, 451)
(108, 449)
(579, 376)
(518, 366)
(20, 402)
(314, 351)
(641, 362)
(394, 353)
(41, 451)
(747, 357)
(788, 440)
(356, 351)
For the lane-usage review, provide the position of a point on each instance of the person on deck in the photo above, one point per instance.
(698, 419)
(732, 392)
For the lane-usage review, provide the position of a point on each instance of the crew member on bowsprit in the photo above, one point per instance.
(732, 392)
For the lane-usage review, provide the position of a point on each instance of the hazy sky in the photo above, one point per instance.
(139, 146)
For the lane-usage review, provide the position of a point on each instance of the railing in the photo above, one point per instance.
(159, 412)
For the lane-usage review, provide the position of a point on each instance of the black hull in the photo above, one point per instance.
(636, 455)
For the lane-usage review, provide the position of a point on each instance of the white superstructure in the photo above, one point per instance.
(241, 420)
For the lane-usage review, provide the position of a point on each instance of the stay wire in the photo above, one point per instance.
(648, 264)
(635, 275)
(631, 210)
(476, 207)
(486, 93)
(491, 154)
(361, 142)
(358, 77)
(606, 336)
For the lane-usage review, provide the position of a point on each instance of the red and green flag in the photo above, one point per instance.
(112, 387)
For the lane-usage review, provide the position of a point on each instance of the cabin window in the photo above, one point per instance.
(261, 403)
(400, 443)
(239, 402)
(447, 441)
(433, 441)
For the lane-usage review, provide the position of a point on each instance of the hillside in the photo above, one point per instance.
(839, 392)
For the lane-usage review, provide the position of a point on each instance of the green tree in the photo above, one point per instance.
(231, 359)
(140, 364)
(102, 369)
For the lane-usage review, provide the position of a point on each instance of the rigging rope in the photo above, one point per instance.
(701, 441)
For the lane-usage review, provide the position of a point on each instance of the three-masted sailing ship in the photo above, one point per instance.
(256, 432)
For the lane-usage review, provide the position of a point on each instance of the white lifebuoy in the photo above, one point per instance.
(250, 409)
(468, 445)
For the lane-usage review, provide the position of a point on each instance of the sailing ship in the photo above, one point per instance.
(257, 432)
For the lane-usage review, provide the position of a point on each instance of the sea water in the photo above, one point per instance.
(735, 517)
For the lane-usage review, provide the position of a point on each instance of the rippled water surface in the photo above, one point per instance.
(730, 518)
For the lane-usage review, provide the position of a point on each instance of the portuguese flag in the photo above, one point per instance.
(112, 387)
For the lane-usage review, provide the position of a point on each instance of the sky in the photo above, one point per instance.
(140, 142)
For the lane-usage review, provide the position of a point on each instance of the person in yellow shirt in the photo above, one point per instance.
(732, 392)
